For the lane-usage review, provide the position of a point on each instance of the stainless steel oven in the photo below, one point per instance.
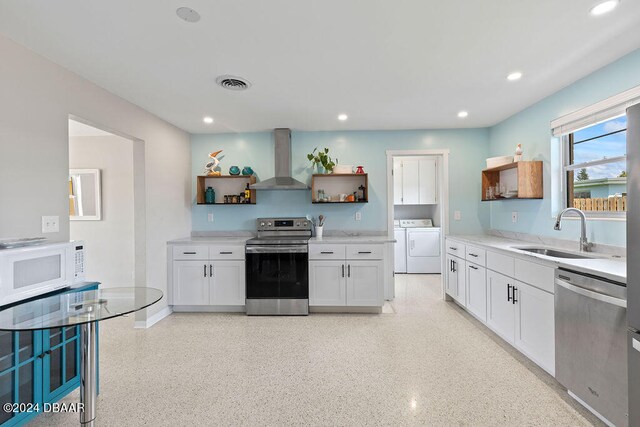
(277, 267)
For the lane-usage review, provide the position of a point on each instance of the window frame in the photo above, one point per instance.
(566, 157)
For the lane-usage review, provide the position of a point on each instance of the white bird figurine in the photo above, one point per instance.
(210, 166)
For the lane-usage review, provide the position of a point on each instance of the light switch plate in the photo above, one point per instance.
(358, 216)
(457, 215)
(50, 224)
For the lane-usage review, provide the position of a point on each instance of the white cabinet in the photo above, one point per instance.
(207, 275)
(190, 283)
(364, 282)
(456, 279)
(535, 325)
(415, 181)
(227, 284)
(356, 280)
(477, 291)
(500, 306)
(400, 250)
(327, 283)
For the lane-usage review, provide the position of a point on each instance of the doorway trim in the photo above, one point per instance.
(443, 188)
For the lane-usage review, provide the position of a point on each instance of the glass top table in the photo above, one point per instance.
(76, 308)
(84, 309)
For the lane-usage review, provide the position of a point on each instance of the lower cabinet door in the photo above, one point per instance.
(191, 282)
(327, 283)
(61, 363)
(364, 283)
(459, 269)
(227, 283)
(500, 307)
(451, 278)
(477, 291)
(535, 325)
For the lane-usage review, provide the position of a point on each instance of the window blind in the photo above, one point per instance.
(598, 112)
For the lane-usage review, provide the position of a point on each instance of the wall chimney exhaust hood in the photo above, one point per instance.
(283, 179)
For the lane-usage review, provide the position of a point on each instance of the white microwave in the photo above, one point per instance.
(31, 271)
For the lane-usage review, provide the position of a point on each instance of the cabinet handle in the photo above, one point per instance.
(508, 292)
(226, 253)
(364, 252)
(342, 270)
(473, 255)
(514, 295)
(210, 270)
(349, 270)
(453, 248)
(454, 266)
(475, 268)
(205, 270)
(188, 253)
(326, 252)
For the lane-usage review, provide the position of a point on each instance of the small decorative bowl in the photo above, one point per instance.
(247, 170)
(234, 170)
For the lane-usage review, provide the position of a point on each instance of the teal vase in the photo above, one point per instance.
(210, 196)
(234, 170)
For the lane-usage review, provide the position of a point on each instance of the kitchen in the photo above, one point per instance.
(425, 352)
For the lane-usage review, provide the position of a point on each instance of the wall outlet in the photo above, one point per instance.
(457, 215)
(358, 216)
(50, 224)
(514, 216)
(210, 217)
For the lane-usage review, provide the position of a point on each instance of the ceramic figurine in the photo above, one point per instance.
(359, 170)
(213, 164)
(234, 170)
(247, 170)
(518, 155)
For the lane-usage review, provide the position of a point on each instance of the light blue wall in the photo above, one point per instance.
(468, 149)
(531, 128)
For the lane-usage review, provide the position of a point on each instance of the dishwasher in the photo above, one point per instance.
(591, 343)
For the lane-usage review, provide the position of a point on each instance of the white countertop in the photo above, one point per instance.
(351, 239)
(604, 265)
(213, 240)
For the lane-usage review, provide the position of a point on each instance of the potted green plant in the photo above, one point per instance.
(322, 160)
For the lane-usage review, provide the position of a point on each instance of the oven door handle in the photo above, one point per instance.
(592, 294)
(277, 249)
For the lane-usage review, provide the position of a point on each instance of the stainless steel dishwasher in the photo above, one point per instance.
(591, 342)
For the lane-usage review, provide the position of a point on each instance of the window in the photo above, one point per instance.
(595, 167)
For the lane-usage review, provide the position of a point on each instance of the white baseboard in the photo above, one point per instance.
(144, 324)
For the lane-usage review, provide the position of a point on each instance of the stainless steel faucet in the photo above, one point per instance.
(585, 246)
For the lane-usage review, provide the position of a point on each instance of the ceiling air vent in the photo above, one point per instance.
(233, 83)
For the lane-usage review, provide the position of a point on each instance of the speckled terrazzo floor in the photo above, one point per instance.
(423, 361)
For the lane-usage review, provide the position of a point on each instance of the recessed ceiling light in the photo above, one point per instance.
(604, 7)
(188, 14)
(463, 114)
(208, 120)
(342, 117)
(516, 75)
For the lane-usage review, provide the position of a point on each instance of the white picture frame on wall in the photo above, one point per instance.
(85, 195)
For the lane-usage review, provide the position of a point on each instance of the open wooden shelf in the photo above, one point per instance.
(339, 183)
(525, 176)
(223, 185)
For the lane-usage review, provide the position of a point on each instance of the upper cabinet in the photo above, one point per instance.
(415, 181)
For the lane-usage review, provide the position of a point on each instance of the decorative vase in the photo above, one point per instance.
(321, 168)
(234, 170)
(359, 170)
(247, 170)
(210, 196)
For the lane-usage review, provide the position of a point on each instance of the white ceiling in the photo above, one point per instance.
(80, 129)
(400, 64)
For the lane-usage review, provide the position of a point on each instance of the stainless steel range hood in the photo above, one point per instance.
(283, 179)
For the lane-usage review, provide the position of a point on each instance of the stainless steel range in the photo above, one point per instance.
(277, 267)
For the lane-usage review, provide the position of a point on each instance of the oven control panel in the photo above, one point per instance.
(282, 224)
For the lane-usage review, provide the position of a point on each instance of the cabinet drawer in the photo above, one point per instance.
(456, 248)
(500, 263)
(370, 251)
(227, 252)
(323, 251)
(540, 276)
(187, 252)
(476, 255)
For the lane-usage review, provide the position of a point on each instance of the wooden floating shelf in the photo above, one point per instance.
(339, 183)
(223, 185)
(526, 176)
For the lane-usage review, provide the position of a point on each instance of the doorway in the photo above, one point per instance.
(417, 209)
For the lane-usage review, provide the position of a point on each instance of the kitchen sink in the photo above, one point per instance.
(554, 253)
